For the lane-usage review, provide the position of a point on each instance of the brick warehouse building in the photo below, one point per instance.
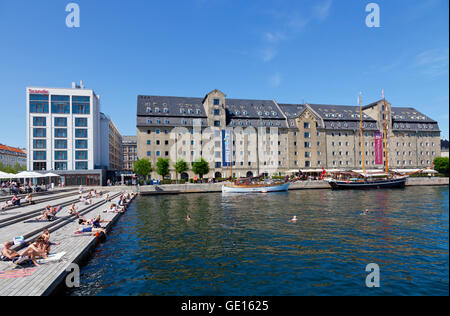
(273, 138)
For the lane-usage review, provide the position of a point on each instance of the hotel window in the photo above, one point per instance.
(307, 135)
(38, 103)
(149, 153)
(60, 165)
(166, 142)
(158, 154)
(61, 132)
(306, 125)
(319, 163)
(216, 112)
(149, 142)
(81, 144)
(39, 121)
(39, 155)
(158, 142)
(60, 104)
(80, 105)
(81, 155)
(307, 154)
(80, 122)
(60, 155)
(166, 110)
(217, 123)
(39, 144)
(39, 166)
(81, 133)
(81, 165)
(39, 132)
(157, 131)
(307, 145)
(61, 121)
(216, 102)
(60, 144)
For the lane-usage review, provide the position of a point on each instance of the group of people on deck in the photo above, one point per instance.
(40, 248)
(15, 201)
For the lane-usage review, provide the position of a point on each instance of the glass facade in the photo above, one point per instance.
(81, 165)
(39, 121)
(60, 104)
(81, 133)
(60, 144)
(39, 155)
(61, 132)
(60, 155)
(81, 105)
(80, 122)
(81, 144)
(81, 155)
(39, 132)
(61, 121)
(39, 144)
(38, 103)
(39, 166)
(60, 165)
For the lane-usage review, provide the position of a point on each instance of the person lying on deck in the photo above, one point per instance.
(7, 253)
(93, 226)
(73, 210)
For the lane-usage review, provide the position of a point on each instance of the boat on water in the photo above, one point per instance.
(362, 181)
(255, 187)
(367, 184)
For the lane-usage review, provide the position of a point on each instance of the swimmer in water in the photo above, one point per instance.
(293, 220)
(188, 218)
(366, 211)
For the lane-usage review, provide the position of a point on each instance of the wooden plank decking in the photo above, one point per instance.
(48, 277)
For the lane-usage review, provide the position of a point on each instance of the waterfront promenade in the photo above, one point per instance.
(49, 277)
(301, 185)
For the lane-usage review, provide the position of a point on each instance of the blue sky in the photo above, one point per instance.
(316, 51)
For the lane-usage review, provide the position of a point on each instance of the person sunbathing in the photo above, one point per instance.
(33, 251)
(7, 253)
(15, 200)
(73, 210)
(46, 237)
(29, 199)
(49, 214)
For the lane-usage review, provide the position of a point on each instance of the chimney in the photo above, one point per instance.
(81, 84)
(74, 85)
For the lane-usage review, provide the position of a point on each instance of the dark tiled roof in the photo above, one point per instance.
(259, 109)
(129, 139)
(340, 112)
(402, 114)
(292, 110)
(170, 106)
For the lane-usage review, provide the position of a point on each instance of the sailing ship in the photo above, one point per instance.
(253, 184)
(366, 181)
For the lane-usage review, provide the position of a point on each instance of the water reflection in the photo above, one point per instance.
(244, 245)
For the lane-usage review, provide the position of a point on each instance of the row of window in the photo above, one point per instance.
(60, 133)
(59, 121)
(59, 104)
(60, 155)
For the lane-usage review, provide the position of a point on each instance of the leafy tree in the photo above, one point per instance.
(200, 167)
(142, 167)
(441, 165)
(162, 167)
(181, 166)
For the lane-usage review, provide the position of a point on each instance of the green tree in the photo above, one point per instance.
(200, 167)
(142, 167)
(162, 167)
(441, 165)
(180, 167)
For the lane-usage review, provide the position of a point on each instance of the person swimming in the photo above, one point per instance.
(293, 220)
(188, 218)
(365, 212)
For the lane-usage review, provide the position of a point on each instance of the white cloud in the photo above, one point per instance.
(268, 54)
(322, 10)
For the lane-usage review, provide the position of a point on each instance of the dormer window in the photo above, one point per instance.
(199, 111)
(166, 110)
(182, 111)
(149, 110)
(245, 113)
(156, 110)
(238, 112)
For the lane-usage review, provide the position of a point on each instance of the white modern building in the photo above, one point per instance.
(64, 134)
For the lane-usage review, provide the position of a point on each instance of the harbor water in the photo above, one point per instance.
(244, 244)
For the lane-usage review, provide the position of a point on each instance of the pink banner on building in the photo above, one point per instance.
(378, 148)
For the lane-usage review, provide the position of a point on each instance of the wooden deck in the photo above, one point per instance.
(47, 278)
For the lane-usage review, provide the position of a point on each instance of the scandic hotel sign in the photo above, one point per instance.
(38, 91)
(378, 148)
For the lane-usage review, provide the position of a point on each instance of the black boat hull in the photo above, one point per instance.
(368, 185)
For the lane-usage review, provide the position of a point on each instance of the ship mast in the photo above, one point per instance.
(361, 132)
(385, 137)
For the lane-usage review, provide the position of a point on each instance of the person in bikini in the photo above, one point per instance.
(33, 251)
